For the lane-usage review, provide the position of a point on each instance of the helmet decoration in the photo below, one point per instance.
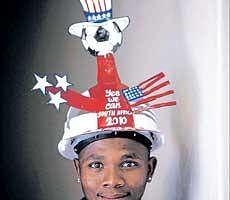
(110, 108)
(101, 34)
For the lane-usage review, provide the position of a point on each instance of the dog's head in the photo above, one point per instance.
(100, 38)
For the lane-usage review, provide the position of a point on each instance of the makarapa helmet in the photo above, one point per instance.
(110, 108)
(122, 111)
(82, 129)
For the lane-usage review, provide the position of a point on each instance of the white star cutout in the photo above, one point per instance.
(103, 15)
(108, 14)
(62, 82)
(56, 99)
(98, 16)
(94, 17)
(41, 83)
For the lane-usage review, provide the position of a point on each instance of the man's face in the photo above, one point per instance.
(114, 168)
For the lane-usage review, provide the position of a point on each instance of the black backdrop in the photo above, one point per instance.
(19, 27)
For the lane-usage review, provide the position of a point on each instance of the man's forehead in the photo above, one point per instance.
(120, 146)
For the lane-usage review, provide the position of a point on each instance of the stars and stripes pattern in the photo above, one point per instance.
(97, 10)
(146, 92)
(133, 93)
(60, 94)
(44, 86)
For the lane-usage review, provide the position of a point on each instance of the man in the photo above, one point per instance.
(115, 168)
(112, 163)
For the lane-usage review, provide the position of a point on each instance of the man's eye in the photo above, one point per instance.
(129, 164)
(96, 165)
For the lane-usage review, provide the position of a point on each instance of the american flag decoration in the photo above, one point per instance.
(97, 10)
(145, 92)
(133, 93)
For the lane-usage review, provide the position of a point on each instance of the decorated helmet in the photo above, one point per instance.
(82, 129)
(100, 34)
(110, 108)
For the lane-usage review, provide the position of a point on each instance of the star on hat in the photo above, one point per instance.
(41, 84)
(56, 99)
(62, 82)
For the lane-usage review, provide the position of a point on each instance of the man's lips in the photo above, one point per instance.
(113, 196)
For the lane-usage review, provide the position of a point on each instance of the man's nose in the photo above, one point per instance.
(113, 178)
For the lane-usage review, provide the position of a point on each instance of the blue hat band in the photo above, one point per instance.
(98, 17)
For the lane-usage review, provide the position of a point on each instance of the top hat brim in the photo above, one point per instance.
(76, 29)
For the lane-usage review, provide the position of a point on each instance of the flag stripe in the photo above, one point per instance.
(158, 105)
(151, 82)
(156, 87)
(105, 5)
(84, 5)
(157, 76)
(86, 1)
(94, 6)
(99, 5)
(152, 98)
(102, 5)
(90, 5)
(108, 4)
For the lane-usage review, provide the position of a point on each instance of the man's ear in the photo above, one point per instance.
(152, 163)
(77, 166)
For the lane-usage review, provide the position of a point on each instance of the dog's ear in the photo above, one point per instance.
(76, 29)
(79, 29)
(121, 23)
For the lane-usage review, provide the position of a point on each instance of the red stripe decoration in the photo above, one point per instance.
(152, 98)
(148, 88)
(105, 5)
(94, 6)
(100, 5)
(77, 100)
(158, 105)
(156, 88)
(87, 5)
(151, 81)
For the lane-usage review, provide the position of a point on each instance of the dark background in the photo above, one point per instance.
(19, 28)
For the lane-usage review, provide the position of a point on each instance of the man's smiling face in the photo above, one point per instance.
(114, 168)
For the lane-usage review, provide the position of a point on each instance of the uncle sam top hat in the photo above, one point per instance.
(98, 14)
(97, 10)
